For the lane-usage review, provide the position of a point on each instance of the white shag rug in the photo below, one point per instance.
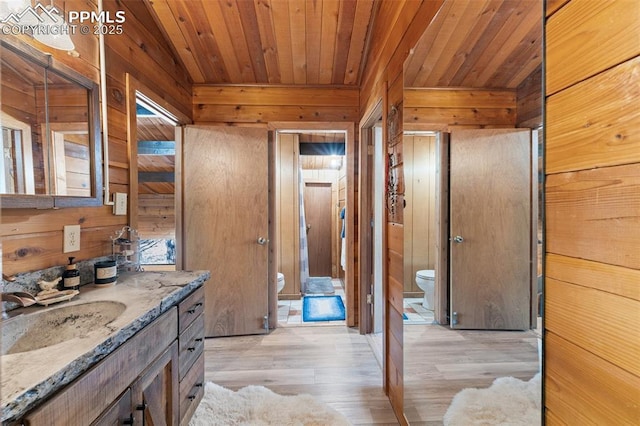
(508, 401)
(258, 406)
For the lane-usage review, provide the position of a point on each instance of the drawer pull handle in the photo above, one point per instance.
(199, 339)
(191, 397)
(198, 385)
(191, 349)
(141, 407)
(128, 421)
(194, 308)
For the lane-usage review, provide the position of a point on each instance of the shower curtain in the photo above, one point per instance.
(304, 252)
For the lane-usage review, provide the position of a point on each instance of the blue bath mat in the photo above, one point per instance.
(322, 308)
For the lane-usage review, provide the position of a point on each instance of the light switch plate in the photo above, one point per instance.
(120, 204)
(71, 238)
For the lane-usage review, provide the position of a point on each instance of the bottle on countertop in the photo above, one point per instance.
(71, 276)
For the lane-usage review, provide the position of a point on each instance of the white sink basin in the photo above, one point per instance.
(49, 327)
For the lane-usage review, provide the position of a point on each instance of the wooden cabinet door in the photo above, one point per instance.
(155, 393)
(119, 413)
(490, 211)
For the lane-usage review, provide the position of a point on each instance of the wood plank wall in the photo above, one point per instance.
(419, 214)
(440, 109)
(288, 213)
(32, 239)
(264, 104)
(592, 286)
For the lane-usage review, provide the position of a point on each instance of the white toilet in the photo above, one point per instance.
(425, 280)
(280, 282)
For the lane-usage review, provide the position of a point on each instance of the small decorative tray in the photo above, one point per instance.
(55, 297)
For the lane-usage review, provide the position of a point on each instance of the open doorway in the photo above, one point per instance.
(153, 138)
(372, 229)
(311, 203)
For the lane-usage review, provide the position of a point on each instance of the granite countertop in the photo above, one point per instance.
(28, 377)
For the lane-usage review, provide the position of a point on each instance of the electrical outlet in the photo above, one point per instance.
(71, 238)
(120, 204)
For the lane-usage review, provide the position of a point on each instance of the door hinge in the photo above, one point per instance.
(369, 299)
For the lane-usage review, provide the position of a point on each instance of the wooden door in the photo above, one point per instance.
(318, 211)
(226, 224)
(490, 229)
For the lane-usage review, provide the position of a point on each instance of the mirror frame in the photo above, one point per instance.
(51, 201)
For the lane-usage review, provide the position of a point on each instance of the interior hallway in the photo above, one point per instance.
(333, 363)
(336, 364)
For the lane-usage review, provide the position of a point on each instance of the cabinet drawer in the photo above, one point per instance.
(191, 345)
(190, 308)
(191, 390)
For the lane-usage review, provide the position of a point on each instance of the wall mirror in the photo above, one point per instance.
(51, 150)
(472, 106)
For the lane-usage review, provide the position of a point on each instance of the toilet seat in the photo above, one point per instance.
(426, 274)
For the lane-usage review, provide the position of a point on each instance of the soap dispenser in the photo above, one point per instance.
(71, 276)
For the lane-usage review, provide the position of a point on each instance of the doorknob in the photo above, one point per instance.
(262, 241)
(458, 239)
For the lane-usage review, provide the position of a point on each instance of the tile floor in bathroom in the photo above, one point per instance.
(415, 313)
(290, 311)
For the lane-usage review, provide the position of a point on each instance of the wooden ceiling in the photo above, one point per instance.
(301, 42)
(470, 43)
(478, 44)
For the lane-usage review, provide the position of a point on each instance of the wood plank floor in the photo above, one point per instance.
(440, 362)
(337, 365)
(333, 363)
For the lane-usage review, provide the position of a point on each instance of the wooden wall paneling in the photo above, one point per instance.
(593, 132)
(529, 101)
(35, 251)
(268, 113)
(408, 172)
(417, 97)
(418, 214)
(581, 388)
(593, 214)
(569, 314)
(204, 94)
(288, 213)
(141, 44)
(592, 375)
(443, 109)
(16, 222)
(552, 6)
(594, 275)
(581, 40)
(156, 216)
(268, 104)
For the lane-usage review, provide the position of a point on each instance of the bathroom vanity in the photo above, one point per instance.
(126, 354)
